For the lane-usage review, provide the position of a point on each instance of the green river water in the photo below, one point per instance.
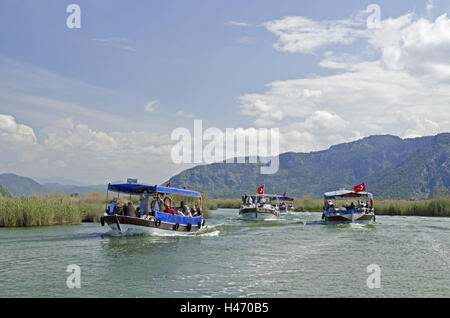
(294, 256)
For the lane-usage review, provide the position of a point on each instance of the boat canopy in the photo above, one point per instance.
(343, 194)
(138, 188)
(283, 198)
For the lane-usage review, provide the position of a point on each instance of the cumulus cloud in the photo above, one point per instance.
(11, 131)
(90, 154)
(404, 91)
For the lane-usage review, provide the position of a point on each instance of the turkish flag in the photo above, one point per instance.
(261, 189)
(168, 185)
(360, 187)
(284, 194)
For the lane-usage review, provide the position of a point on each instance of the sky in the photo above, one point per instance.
(99, 103)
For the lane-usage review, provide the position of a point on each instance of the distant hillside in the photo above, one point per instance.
(23, 186)
(69, 189)
(390, 166)
(4, 192)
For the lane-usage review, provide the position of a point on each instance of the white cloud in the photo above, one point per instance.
(404, 90)
(115, 42)
(151, 106)
(181, 113)
(11, 131)
(238, 23)
(301, 34)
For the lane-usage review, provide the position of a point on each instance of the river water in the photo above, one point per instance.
(294, 256)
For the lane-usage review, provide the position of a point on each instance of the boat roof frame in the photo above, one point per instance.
(344, 194)
(139, 188)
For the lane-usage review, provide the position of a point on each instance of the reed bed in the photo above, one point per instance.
(38, 211)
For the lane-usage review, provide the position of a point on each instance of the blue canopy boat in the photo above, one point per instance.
(286, 204)
(162, 216)
(363, 212)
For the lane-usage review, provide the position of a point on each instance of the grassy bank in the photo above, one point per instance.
(434, 207)
(45, 210)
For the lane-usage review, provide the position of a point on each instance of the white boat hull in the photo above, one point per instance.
(343, 218)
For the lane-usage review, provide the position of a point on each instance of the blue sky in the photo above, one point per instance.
(210, 60)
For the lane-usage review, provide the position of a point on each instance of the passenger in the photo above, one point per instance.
(130, 211)
(112, 204)
(181, 209)
(186, 211)
(167, 209)
(157, 204)
(144, 203)
(118, 208)
(352, 206)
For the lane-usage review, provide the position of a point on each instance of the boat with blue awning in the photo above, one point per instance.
(160, 216)
(361, 212)
(286, 204)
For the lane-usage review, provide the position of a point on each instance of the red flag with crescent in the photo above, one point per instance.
(360, 187)
(168, 185)
(261, 189)
(284, 194)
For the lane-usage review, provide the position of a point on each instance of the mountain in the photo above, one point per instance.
(69, 189)
(391, 167)
(23, 186)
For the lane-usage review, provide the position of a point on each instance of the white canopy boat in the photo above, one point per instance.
(260, 207)
(363, 212)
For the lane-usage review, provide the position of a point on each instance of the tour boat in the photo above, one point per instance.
(362, 212)
(158, 221)
(286, 205)
(261, 209)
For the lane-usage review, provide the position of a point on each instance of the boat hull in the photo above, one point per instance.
(126, 224)
(258, 213)
(355, 217)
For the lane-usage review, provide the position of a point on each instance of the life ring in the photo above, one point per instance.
(188, 227)
(102, 221)
(176, 226)
(170, 201)
(157, 222)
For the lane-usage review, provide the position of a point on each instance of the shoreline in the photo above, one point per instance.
(60, 209)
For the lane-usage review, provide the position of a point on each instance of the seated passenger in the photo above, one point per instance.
(167, 209)
(186, 211)
(194, 211)
(130, 210)
(117, 208)
(112, 205)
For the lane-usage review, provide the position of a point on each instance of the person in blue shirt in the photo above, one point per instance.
(112, 205)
